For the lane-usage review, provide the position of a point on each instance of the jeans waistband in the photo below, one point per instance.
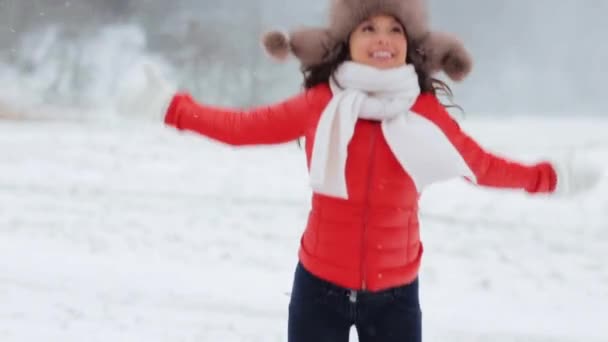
(333, 288)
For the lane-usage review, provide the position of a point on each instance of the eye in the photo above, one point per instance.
(397, 29)
(367, 28)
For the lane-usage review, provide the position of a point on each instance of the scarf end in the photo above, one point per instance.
(328, 191)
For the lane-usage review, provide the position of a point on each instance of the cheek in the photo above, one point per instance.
(401, 45)
(358, 49)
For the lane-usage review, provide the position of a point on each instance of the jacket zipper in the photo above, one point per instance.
(366, 212)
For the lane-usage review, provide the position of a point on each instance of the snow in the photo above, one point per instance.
(126, 230)
(116, 228)
(57, 72)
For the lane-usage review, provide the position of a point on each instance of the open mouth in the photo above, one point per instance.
(382, 55)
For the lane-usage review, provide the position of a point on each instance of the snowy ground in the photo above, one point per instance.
(129, 231)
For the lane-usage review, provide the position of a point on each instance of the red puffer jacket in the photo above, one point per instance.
(370, 241)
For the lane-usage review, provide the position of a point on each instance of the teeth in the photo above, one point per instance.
(382, 54)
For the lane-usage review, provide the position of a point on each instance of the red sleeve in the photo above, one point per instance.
(492, 170)
(272, 124)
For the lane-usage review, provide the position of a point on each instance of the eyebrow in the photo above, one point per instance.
(369, 21)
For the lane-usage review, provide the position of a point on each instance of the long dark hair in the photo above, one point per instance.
(320, 73)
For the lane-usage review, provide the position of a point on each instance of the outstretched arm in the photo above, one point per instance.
(272, 124)
(492, 170)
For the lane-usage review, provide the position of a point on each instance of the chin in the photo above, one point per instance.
(385, 64)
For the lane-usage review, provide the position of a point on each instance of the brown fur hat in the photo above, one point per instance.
(442, 51)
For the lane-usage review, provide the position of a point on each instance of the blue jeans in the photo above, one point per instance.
(322, 312)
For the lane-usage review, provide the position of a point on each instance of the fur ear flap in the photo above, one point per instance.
(310, 45)
(445, 52)
(276, 45)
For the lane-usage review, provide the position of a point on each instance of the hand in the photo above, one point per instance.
(150, 98)
(576, 174)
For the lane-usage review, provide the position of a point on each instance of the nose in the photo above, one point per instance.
(382, 39)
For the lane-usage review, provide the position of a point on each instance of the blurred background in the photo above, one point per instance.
(542, 57)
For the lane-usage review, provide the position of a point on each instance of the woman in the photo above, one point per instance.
(376, 136)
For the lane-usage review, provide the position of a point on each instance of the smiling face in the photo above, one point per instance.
(380, 41)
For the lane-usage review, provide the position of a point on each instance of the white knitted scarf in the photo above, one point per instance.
(385, 95)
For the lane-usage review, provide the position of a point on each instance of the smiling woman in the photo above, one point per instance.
(112, 225)
(376, 137)
(379, 41)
